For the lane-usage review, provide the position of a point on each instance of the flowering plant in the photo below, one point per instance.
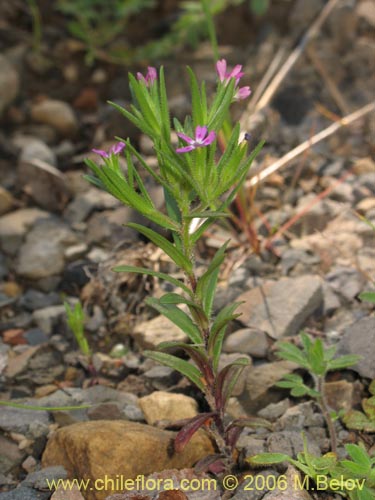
(199, 184)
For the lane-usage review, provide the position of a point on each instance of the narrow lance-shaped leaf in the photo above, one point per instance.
(176, 255)
(180, 365)
(179, 318)
(156, 274)
(196, 353)
(187, 432)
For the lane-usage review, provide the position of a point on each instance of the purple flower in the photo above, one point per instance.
(150, 77)
(225, 76)
(113, 150)
(201, 139)
(221, 67)
(242, 93)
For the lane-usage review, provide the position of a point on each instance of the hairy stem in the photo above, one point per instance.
(322, 401)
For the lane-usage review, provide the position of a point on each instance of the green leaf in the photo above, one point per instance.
(357, 420)
(316, 358)
(199, 113)
(268, 459)
(206, 284)
(359, 455)
(164, 110)
(367, 297)
(179, 318)
(168, 247)
(180, 365)
(163, 276)
(146, 105)
(218, 329)
(42, 408)
(227, 379)
(343, 362)
(290, 352)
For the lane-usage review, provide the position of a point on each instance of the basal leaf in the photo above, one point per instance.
(187, 432)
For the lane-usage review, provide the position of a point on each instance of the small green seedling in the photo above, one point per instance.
(362, 421)
(352, 478)
(76, 320)
(318, 361)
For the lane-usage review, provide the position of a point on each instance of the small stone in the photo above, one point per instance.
(40, 479)
(6, 201)
(34, 299)
(42, 254)
(33, 149)
(282, 307)
(73, 493)
(249, 341)
(167, 406)
(10, 456)
(44, 183)
(331, 302)
(359, 338)
(85, 203)
(366, 205)
(339, 395)
(274, 410)
(48, 317)
(9, 83)
(301, 416)
(75, 251)
(14, 336)
(35, 336)
(18, 364)
(149, 334)
(18, 419)
(24, 493)
(56, 113)
(290, 443)
(347, 282)
(293, 477)
(14, 226)
(105, 411)
(260, 390)
(29, 464)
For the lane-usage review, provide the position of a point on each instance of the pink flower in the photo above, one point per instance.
(225, 76)
(113, 150)
(221, 67)
(150, 77)
(201, 139)
(242, 93)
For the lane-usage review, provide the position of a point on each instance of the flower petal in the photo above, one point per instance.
(151, 74)
(242, 93)
(185, 138)
(117, 148)
(200, 133)
(186, 149)
(141, 78)
(210, 138)
(100, 152)
(221, 68)
(236, 72)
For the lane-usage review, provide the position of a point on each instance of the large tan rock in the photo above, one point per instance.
(161, 405)
(112, 449)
